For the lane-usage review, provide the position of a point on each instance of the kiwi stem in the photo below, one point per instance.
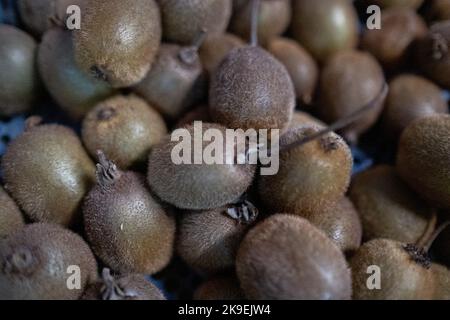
(32, 122)
(244, 212)
(440, 46)
(254, 23)
(112, 291)
(189, 55)
(107, 172)
(431, 226)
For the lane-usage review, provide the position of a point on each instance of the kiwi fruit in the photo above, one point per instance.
(411, 97)
(200, 113)
(35, 263)
(125, 287)
(11, 218)
(301, 118)
(349, 80)
(126, 227)
(388, 208)
(285, 257)
(391, 44)
(274, 17)
(335, 21)
(221, 287)
(47, 171)
(311, 178)
(423, 158)
(73, 90)
(301, 66)
(19, 79)
(215, 48)
(183, 20)
(405, 273)
(118, 40)
(208, 240)
(442, 275)
(197, 186)
(125, 128)
(440, 10)
(413, 4)
(433, 54)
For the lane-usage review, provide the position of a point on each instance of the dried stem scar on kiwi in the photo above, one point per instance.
(183, 20)
(411, 97)
(72, 89)
(423, 159)
(197, 186)
(47, 171)
(402, 277)
(208, 240)
(274, 17)
(349, 80)
(34, 263)
(221, 287)
(118, 39)
(251, 89)
(286, 257)
(311, 177)
(126, 227)
(19, 84)
(125, 287)
(124, 128)
(387, 207)
(334, 20)
(11, 218)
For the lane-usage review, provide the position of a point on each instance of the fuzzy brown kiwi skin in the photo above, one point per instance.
(183, 20)
(200, 113)
(349, 80)
(196, 186)
(442, 275)
(402, 278)
(47, 172)
(413, 4)
(423, 161)
(11, 218)
(34, 263)
(73, 90)
(124, 128)
(301, 118)
(118, 40)
(281, 257)
(274, 17)
(221, 287)
(19, 79)
(311, 178)
(126, 227)
(411, 97)
(251, 89)
(440, 10)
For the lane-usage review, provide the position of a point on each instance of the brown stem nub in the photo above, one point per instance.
(244, 212)
(189, 55)
(107, 172)
(254, 23)
(32, 122)
(99, 73)
(111, 289)
(21, 262)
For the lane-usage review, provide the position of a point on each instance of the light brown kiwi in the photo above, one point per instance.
(125, 128)
(118, 39)
(74, 91)
(11, 218)
(127, 228)
(301, 118)
(423, 158)
(286, 257)
(47, 171)
(442, 275)
(39, 260)
(221, 287)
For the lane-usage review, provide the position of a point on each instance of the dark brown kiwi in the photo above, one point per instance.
(413, 4)
(442, 275)
(200, 113)
(335, 21)
(197, 186)
(274, 19)
(47, 171)
(19, 80)
(387, 207)
(126, 227)
(405, 273)
(125, 287)
(35, 264)
(118, 39)
(311, 177)
(183, 20)
(411, 97)
(286, 257)
(221, 287)
(440, 10)
(301, 118)
(423, 158)
(208, 240)
(125, 128)
(349, 80)
(301, 66)
(433, 54)
(391, 44)
(11, 218)
(74, 91)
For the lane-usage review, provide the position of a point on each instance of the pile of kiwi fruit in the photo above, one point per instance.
(97, 194)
